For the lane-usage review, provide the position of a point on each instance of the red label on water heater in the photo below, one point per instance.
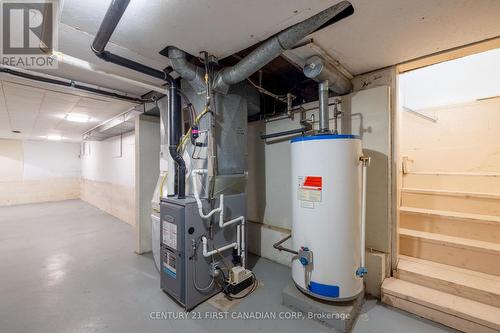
(313, 181)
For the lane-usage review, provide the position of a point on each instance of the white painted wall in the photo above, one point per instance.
(452, 82)
(48, 159)
(111, 161)
(108, 176)
(147, 164)
(38, 171)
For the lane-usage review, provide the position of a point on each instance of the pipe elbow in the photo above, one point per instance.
(177, 157)
(274, 46)
(191, 73)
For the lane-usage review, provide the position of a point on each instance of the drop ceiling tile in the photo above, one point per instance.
(69, 98)
(38, 112)
(24, 91)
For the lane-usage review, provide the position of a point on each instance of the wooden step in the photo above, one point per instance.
(457, 181)
(455, 251)
(473, 226)
(454, 201)
(484, 288)
(460, 313)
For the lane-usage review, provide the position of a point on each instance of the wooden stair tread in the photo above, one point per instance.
(450, 214)
(448, 173)
(485, 195)
(456, 275)
(451, 240)
(460, 307)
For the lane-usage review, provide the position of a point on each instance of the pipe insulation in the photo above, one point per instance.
(41, 77)
(175, 133)
(319, 70)
(274, 46)
(108, 25)
(193, 74)
(262, 55)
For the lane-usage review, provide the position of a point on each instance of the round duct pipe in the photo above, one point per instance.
(319, 70)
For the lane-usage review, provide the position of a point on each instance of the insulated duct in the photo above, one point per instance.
(263, 54)
(275, 46)
(113, 15)
(317, 68)
(191, 73)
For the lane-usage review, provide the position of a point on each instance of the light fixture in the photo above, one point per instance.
(77, 118)
(54, 137)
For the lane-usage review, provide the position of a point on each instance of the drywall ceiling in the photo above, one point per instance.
(39, 110)
(379, 33)
(387, 32)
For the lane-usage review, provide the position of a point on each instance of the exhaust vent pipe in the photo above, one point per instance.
(324, 114)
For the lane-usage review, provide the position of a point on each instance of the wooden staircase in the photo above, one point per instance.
(449, 244)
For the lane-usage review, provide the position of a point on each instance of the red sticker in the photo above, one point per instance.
(313, 181)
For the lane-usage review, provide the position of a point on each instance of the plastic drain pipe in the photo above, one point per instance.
(207, 253)
(194, 173)
(362, 271)
(239, 245)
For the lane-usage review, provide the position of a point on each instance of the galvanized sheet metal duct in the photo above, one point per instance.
(261, 56)
(317, 68)
(275, 46)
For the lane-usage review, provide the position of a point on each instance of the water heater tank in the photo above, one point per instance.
(326, 215)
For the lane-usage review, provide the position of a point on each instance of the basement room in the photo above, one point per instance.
(252, 166)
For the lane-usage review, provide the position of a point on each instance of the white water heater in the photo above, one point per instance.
(327, 203)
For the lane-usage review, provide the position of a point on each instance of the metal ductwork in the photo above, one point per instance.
(191, 73)
(275, 46)
(324, 114)
(263, 54)
(318, 69)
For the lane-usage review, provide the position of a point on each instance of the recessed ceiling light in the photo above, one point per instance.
(54, 137)
(78, 118)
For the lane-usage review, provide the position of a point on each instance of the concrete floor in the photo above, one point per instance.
(69, 267)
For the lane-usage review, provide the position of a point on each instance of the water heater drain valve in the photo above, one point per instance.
(305, 256)
(361, 272)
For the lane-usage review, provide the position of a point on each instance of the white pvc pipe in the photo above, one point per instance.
(240, 228)
(197, 195)
(242, 244)
(207, 253)
(223, 224)
(363, 214)
(238, 238)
